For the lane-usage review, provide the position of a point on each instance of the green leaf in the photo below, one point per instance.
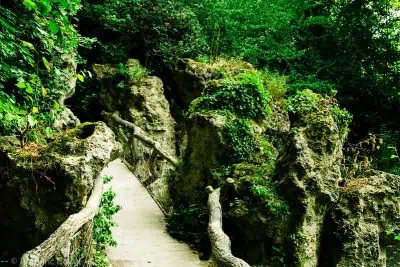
(21, 85)
(56, 105)
(29, 45)
(31, 120)
(30, 5)
(53, 26)
(35, 110)
(80, 77)
(46, 64)
(394, 157)
(45, 6)
(49, 132)
(29, 88)
(9, 117)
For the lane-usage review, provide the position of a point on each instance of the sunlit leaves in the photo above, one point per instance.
(31, 5)
(21, 85)
(80, 77)
(33, 38)
(46, 63)
(28, 45)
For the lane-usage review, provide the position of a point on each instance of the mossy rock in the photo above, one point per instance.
(43, 185)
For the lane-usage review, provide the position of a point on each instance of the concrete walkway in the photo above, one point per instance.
(141, 236)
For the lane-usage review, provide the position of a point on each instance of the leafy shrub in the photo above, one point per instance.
(189, 223)
(275, 84)
(138, 73)
(243, 94)
(299, 82)
(387, 157)
(164, 30)
(36, 41)
(103, 222)
(342, 118)
(260, 32)
(303, 101)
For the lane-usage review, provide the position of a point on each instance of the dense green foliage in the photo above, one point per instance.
(162, 30)
(260, 32)
(307, 101)
(348, 47)
(238, 134)
(344, 47)
(37, 40)
(257, 189)
(189, 224)
(243, 94)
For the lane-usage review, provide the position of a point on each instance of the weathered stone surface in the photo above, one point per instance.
(367, 208)
(277, 123)
(66, 120)
(42, 186)
(142, 103)
(68, 81)
(204, 152)
(309, 173)
(191, 76)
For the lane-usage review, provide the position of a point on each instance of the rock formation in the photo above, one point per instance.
(42, 185)
(143, 103)
(324, 224)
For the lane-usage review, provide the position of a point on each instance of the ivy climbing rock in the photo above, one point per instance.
(229, 137)
(43, 185)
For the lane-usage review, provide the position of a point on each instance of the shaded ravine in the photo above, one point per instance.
(141, 235)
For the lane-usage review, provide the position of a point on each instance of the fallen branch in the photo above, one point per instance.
(220, 242)
(40, 255)
(137, 133)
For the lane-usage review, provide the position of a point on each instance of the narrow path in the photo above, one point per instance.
(141, 236)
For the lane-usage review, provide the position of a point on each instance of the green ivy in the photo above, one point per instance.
(103, 222)
(238, 135)
(303, 101)
(36, 39)
(242, 94)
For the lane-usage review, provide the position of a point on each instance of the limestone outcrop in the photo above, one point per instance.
(367, 208)
(308, 173)
(288, 204)
(42, 185)
(142, 102)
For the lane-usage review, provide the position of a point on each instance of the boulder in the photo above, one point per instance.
(205, 151)
(42, 185)
(368, 207)
(308, 172)
(191, 76)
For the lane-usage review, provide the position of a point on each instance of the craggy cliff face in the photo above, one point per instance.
(42, 186)
(289, 205)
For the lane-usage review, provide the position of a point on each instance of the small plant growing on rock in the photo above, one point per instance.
(103, 222)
